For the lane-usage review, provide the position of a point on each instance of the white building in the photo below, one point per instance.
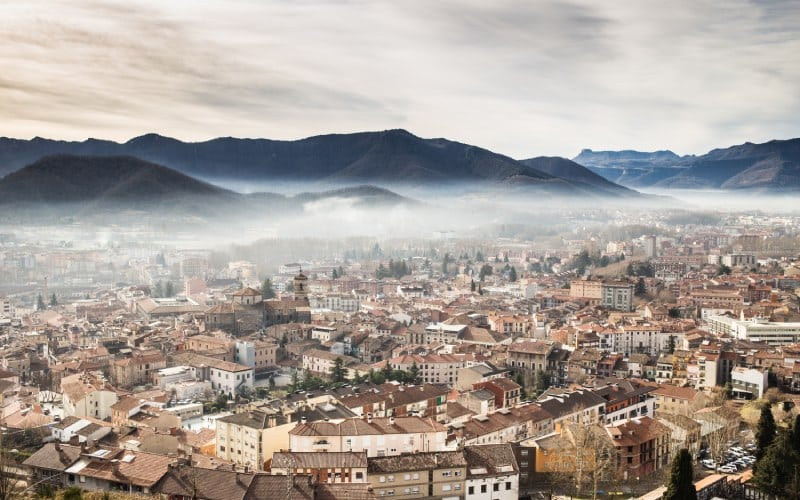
(85, 396)
(748, 383)
(492, 472)
(755, 329)
(379, 437)
(225, 376)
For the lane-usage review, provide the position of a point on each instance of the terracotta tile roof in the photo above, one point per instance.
(344, 491)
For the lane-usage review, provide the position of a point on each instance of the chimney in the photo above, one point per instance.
(58, 446)
(115, 467)
(303, 420)
(391, 420)
(369, 418)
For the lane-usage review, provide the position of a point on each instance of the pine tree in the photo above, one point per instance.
(776, 471)
(681, 486)
(158, 290)
(53, 300)
(765, 434)
(796, 434)
(169, 290)
(267, 291)
(413, 373)
(339, 372)
(40, 303)
(641, 289)
(512, 274)
(472, 285)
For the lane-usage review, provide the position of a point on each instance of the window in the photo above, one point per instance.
(508, 485)
(415, 475)
(446, 473)
(496, 487)
(391, 479)
(446, 487)
(483, 488)
(407, 477)
(382, 479)
(524, 452)
(471, 490)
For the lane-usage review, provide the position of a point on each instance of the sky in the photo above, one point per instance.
(522, 78)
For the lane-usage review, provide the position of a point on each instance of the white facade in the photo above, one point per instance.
(756, 329)
(492, 487)
(372, 441)
(95, 404)
(748, 382)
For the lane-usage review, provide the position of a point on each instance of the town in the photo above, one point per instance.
(579, 364)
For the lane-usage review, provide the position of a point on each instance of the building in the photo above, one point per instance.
(87, 396)
(756, 330)
(419, 475)
(492, 472)
(333, 468)
(241, 438)
(224, 376)
(379, 437)
(138, 369)
(748, 383)
(618, 295)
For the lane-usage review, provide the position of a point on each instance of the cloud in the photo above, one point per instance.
(522, 78)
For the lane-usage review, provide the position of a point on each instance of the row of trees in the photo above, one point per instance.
(395, 269)
(338, 376)
(40, 305)
(163, 290)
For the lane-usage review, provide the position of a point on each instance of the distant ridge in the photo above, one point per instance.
(383, 158)
(770, 166)
(81, 183)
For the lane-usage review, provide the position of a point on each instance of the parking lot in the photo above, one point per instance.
(736, 459)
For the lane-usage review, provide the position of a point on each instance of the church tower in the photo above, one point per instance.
(301, 286)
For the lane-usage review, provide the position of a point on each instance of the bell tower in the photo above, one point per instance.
(301, 286)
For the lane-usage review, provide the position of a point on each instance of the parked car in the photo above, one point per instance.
(727, 469)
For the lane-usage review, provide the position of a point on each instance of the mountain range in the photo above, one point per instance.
(771, 166)
(77, 184)
(385, 158)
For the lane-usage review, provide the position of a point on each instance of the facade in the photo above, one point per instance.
(379, 437)
(420, 475)
(748, 383)
(241, 438)
(618, 295)
(492, 472)
(139, 369)
(330, 468)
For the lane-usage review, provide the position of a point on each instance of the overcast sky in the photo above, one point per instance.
(523, 78)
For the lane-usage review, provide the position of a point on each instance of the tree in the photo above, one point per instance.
(335, 274)
(267, 291)
(295, 380)
(541, 382)
(169, 291)
(413, 373)
(680, 485)
(512, 274)
(53, 300)
(479, 256)
(641, 289)
(765, 433)
(40, 303)
(671, 344)
(776, 471)
(472, 285)
(339, 372)
(73, 493)
(723, 269)
(796, 434)
(158, 290)
(486, 270)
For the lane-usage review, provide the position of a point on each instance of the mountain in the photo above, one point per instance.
(771, 166)
(111, 179)
(80, 183)
(384, 158)
(573, 172)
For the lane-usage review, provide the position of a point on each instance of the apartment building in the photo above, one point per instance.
(379, 437)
